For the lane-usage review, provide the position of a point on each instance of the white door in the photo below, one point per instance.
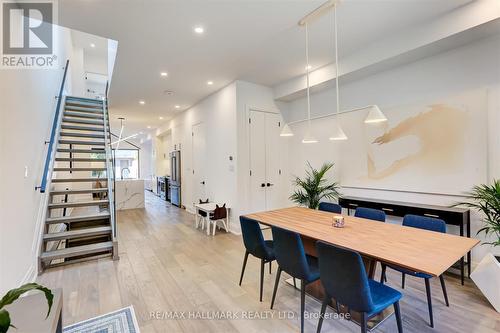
(265, 177)
(199, 162)
(257, 125)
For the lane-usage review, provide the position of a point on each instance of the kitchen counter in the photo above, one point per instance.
(129, 193)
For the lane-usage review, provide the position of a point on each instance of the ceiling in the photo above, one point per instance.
(253, 40)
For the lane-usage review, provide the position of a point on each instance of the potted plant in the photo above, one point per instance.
(486, 199)
(314, 187)
(14, 294)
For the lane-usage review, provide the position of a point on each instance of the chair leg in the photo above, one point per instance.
(429, 301)
(302, 304)
(363, 322)
(262, 263)
(397, 312)
(215, 225)
(403, 276)
(244, 265)
(276, 282)
(382, 274)
(443, 286)
(322, 313)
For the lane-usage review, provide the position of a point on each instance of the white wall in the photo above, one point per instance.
(475, 65)
(27, 106)
(218, 113)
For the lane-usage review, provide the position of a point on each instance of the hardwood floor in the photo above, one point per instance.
(167, 265)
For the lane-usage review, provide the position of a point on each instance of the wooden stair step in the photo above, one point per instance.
(68, 150)
(77, 204)
(83, 128)
(78, 233)
(78, 159)
(88, 110)
(83, 100)
(78, 218)
(82, 121)
(83, 135)
(76, 251)
(83, 115)
(82, 143)
(83, 191)
(78, 180)
(79, 169)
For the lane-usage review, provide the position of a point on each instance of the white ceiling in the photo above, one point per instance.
(254, 40)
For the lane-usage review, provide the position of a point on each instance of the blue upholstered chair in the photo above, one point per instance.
(427, 223)
(370, 213)
(344, 278)
(292, 259)
(256, 246)
(330, 207)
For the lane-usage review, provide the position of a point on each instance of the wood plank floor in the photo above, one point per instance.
(166, 265)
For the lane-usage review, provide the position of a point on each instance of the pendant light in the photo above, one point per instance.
(337, 133)
(375, 115)
(308, 137)
(286, 131)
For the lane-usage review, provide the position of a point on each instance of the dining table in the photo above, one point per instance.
(415, 249)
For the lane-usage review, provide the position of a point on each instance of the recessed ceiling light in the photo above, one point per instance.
(210, 83)
(177, 106)
(142, 102)
(149, 127)
(161, 118)
(199, 30)
(92, 45)
(164, 74)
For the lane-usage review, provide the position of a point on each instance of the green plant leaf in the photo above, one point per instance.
(4, 321)
(14, 294)
(314, 187)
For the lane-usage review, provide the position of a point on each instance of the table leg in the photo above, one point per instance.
(462, 262)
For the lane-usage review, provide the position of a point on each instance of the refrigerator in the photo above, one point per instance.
(175, 178)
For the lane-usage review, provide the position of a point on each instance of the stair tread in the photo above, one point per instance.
(83, 128)
(83, 143)
(78, 204)
(68, 150)
(69, 180)
(78, 218)
(68, 113)
(83, 135)
(82, 121)
(79, 169)
(76, 251)
(90, 190)
(83, 109)
(77, 233)
(78, 159)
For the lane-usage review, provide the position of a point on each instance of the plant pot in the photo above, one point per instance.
(486, 276)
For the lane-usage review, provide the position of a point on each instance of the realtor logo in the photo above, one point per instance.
(27, 34)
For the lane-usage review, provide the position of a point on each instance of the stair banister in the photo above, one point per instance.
(50, 149)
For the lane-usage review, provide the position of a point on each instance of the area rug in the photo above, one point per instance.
(120, 321)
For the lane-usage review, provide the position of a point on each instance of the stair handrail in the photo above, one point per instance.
(110, 169)
(50, 149)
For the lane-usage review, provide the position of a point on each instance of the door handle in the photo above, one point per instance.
(269, 184)
(202, 183)
(263, 185)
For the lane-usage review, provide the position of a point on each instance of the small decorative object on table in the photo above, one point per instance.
(338, 221)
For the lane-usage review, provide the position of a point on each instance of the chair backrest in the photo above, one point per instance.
(343, 276)
(424, 222)
(370, 213)
(289, 252)
(203, 202)
(252, 237)
(330, 207)
(219, 212)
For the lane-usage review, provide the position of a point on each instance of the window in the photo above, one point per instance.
(127, 164)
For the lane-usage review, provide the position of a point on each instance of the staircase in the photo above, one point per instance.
(80, 223)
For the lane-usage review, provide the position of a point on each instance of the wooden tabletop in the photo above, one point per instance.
(416, 249)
